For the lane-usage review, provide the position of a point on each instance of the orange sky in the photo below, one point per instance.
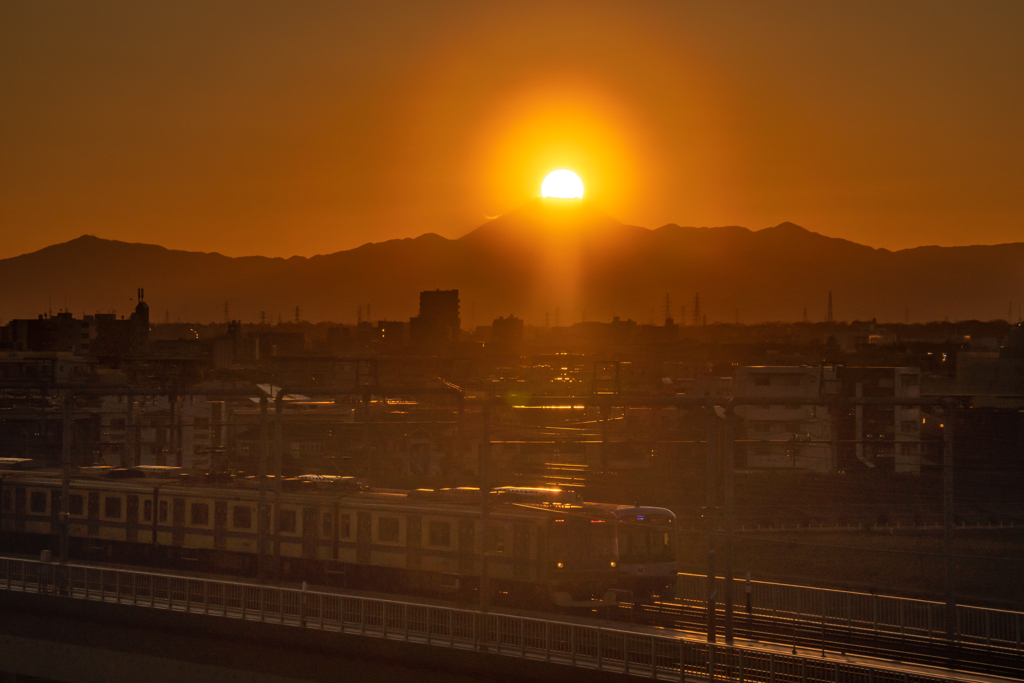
(302, 128)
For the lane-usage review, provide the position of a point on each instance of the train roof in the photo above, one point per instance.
(464, 500)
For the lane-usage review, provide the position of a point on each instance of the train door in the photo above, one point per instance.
(133, 519)
(94, 514)
(364, 529)
(55, 512)
(220, 524)
(309, 532)
(414, 542)
(178, 522)
(19, 508)
(467, 547)
(521, 551)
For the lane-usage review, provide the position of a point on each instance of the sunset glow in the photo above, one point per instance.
(562, 184)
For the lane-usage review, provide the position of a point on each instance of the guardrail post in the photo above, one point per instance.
(711, 662)
(600, 658)
(771, 667)
(741, 666)
(117, 586)
(428, 626)
(654, 658)
(572, 643)
(188, 596)
(682, 661)
(547, 640)
(206, 597)
(803, 671)
(522, 640)
(451, 630)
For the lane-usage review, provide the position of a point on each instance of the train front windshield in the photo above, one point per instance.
(582, 543)
(642, 545)
(647, 538)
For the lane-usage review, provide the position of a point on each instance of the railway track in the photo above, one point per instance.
(810, 633)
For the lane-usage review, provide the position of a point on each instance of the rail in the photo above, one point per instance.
(616, 650)
(909, 617)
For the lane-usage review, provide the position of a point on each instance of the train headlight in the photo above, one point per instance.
(613, 564)
(561, 566)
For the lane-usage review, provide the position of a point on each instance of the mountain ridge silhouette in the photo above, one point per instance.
(529, 262)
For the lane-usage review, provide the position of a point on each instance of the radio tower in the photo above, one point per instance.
(696, 310)
(668, 309)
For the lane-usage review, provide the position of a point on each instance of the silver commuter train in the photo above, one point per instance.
(565, 553)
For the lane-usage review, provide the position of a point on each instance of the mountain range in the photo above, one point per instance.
(558, 260)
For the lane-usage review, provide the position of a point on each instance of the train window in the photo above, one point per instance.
(163, 511)
(241, 517)
(497, 538)
(345, 522)
(200, 514)
(387, 529)
(112, 507)
(327, 524)
(76, 504)
(288, 518)
(37, 501)
(440, 534)
(147, 511)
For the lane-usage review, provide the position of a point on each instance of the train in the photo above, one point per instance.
(545, 547)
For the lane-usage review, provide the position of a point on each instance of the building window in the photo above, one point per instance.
(241, 517)
(440, 534)
(497, 539)
(288, 518)
(112, 507)
(387, 529)
(345, 524)
(76, 505)
(200, 514)
(327, 524)
(37, 501)
(163, 511)
(147, 511)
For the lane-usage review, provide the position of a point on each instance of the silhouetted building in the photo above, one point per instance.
(507, 333)
(438, 323)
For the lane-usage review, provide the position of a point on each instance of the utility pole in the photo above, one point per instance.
(830, 319)
(65, 483)
(278, 467)
(261, 522)
(730, 514)
(696, 310)
(712, 445)
(947, 508)
(485, 506)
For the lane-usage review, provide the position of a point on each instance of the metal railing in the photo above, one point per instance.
(618, 650)
(880, 614)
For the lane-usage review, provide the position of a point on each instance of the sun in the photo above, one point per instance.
(562, 184)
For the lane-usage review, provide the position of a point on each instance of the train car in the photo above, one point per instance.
(422, 542)
(648, 542)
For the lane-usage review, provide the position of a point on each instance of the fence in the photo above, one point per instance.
(977, 626)
(617, 650)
